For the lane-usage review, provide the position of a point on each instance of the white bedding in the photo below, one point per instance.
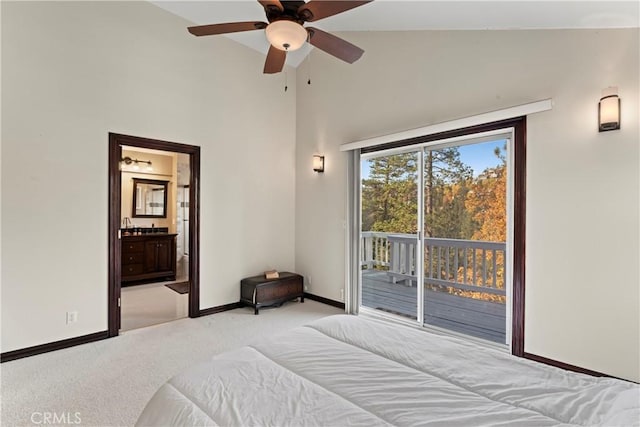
(348, 371)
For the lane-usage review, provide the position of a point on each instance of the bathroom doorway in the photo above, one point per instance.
(153, 232)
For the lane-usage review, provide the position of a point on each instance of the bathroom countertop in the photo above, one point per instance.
(148, 235)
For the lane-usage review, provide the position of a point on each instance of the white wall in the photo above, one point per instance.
(74, 71)
(582, 277)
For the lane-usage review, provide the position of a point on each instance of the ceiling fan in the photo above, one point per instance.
(286, 33)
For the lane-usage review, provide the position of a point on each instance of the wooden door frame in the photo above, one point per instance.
(116, 141)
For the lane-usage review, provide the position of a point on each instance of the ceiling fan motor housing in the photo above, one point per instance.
(289, 11)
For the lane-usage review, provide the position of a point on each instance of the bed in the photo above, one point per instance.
(348, 371)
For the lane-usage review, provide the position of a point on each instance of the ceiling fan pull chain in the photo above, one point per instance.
(285, 79)
(309, 60)
(309, 67)
(286, 73)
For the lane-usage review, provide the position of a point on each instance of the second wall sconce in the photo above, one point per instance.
(318, 163)
(609, 110)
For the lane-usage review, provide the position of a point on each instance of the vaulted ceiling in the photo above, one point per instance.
(395, 15)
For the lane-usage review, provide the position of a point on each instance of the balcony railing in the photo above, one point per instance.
(464, 284)
(465, 265)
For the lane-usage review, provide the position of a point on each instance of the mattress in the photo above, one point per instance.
(348, 371)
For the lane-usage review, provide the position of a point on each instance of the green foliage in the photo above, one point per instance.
(389, 195)
(456, 205)
(446, 181)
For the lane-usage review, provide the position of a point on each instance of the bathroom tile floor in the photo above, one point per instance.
(151, 304)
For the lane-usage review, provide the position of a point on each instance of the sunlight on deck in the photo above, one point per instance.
(478, 318)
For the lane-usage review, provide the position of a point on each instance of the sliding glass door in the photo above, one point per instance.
(465, 234)
(389, 233)
(434, 233)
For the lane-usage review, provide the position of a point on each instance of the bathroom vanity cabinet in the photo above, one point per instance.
(148, 258)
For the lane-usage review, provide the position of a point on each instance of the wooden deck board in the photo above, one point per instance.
(483, 319)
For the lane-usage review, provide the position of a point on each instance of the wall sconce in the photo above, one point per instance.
(609, 110)
(136, 163)
(318, 163)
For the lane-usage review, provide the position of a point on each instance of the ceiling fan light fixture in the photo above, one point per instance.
(286, 35)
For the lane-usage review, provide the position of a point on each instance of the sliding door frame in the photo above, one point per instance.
(518, 207)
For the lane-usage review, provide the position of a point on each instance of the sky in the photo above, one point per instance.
(480, 156)
(477, 156)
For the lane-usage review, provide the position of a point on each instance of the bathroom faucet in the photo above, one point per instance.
(127, 222)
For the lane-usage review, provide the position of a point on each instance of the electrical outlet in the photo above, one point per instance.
(306, 288)
(72, 317)
(342, 295)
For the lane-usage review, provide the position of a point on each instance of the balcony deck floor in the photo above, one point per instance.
(482, 319)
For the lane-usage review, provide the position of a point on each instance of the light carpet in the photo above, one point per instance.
(109, 382)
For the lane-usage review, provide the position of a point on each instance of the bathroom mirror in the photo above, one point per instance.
(149, 198)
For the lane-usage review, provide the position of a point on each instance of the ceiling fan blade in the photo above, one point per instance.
(271, 5)
(231, 27)
(275, 60)
(335, 46)
(319, 9)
